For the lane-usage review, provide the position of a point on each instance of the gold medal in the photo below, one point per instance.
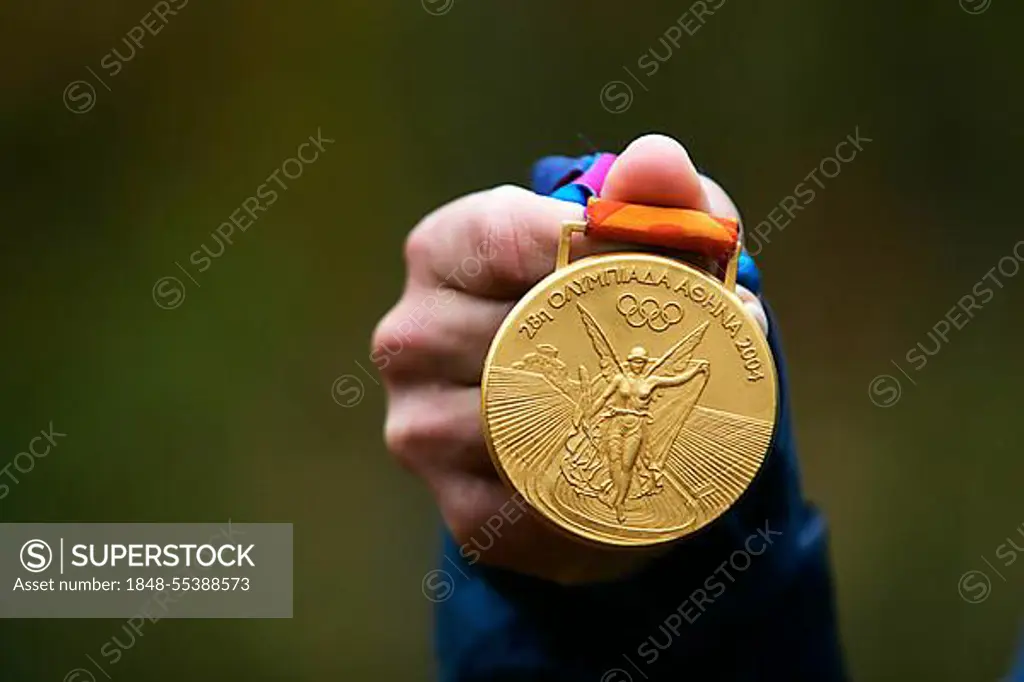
(629, 397)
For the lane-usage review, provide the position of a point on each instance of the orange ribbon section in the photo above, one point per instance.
(672, 228)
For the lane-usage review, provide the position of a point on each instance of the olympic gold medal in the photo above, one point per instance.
(629, 398)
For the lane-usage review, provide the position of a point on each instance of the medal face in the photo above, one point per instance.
(629, 398)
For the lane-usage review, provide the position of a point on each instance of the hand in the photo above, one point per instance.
(468, 263)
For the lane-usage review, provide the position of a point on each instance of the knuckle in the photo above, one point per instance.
(481, 238)
(468, 501)
(396, 334)
(468, 217)
(381, 344)
(461, 514)
(508, 194)
(417, 248)
(500, 212)
(415, 433)
(400, 440)
(499, 235)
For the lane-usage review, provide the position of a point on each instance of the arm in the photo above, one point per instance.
(664, 382)
(748, 598)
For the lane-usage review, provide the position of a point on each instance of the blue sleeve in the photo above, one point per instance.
(749, 598)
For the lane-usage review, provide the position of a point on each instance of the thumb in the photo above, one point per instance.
(657, 171)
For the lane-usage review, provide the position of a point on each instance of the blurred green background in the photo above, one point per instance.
(222, 407)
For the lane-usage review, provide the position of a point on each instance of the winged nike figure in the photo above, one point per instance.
(612, 433)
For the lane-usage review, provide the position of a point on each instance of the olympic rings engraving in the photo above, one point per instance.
(649, 312)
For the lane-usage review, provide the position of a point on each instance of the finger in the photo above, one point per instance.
(434, 431)
(437, 334)
(496, 244)
(494, 526)
(752, 304)
(719, 202)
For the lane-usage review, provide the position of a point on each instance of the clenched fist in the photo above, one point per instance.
(467, 264)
